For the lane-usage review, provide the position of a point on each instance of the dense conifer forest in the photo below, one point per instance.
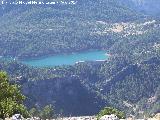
(128, 80)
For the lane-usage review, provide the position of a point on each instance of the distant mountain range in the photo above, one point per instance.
(150, 7)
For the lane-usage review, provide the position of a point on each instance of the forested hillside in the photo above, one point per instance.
(37, 30)
(129, 79)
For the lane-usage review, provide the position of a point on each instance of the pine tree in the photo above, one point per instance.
(11, 99)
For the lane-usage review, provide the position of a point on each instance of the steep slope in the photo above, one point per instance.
(68, 87)
(58, 86)
(37, 30)
(127, 79)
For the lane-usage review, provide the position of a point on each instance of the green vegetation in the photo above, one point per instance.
(128, 80)
(109, 111)
(11, 99)
(40, 30)
(45, 113)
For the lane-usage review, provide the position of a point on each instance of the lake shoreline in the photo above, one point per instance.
(67, 59)
(54, 54)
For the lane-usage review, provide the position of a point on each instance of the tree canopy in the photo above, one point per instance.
(109, 111)
(11, 99)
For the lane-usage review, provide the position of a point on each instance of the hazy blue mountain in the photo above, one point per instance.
(150, 7)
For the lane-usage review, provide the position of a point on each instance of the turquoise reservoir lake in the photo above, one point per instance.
(66, 59)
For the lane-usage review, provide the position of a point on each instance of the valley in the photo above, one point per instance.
(48, 41)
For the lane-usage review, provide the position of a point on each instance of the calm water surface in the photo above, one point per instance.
(66, 59)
